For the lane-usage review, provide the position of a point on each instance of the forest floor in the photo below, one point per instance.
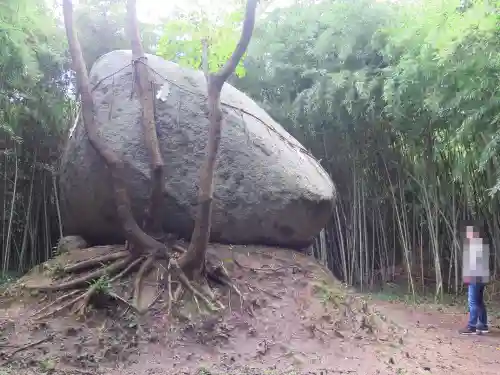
(304, 322)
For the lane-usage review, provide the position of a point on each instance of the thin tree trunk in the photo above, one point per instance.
(7, 245)
(194, 261)
(146, 95)
(24, 243)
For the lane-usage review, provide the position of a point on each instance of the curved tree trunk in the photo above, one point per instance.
(137, 238)
(194, 261)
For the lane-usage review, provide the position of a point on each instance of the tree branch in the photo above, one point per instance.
(246, 35)
(204, 57)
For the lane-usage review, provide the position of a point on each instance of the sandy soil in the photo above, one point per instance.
(434, 345)
(304, 322)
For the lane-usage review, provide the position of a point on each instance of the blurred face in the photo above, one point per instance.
(471, 232)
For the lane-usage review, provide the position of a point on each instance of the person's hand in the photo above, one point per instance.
(467, 279)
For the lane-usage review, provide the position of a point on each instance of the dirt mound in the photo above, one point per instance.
(301, 319)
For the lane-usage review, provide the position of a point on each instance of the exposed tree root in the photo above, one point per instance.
(84, 300)
(81, 281)
(193, 269)
(95, 261)
(267, 268)
(25, 347)
(145, 267)
(108, 274)
(128, 269)
(57, 300)
(61, 307)
(126, 303)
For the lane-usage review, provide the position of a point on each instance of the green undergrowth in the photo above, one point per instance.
(400, 292)
(8, 278)
(329, 294)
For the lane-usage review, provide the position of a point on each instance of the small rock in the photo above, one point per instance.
(297, 361)
(70, 243)
(71, 331)
(154, 338)
(263, 347)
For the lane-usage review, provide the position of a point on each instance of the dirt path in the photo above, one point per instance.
(434, 345)
(303, 324)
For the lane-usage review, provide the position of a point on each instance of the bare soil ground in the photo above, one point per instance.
(304, 322)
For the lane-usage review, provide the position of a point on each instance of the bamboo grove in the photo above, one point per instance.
(401, 103)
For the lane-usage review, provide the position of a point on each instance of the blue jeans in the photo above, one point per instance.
(477, 309)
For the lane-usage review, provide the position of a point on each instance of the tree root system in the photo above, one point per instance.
(80, 283)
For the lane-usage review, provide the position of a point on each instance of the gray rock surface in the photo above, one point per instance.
(268, 189)
(70, 243)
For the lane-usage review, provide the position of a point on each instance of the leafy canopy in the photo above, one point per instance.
(184, 35)
(101, 28)
(366, 70)
(32, 66)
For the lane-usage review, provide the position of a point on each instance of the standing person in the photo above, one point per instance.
(476, 274)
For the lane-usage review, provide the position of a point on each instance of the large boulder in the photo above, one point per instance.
(268, 188)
